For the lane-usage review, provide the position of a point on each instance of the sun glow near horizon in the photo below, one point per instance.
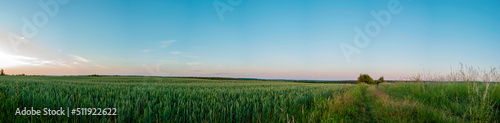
(7, 60)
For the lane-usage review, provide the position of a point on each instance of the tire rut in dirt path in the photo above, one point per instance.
(367, 105)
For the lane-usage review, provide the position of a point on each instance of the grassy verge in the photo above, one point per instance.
(365, 103)
(454, 99)
(388, 109)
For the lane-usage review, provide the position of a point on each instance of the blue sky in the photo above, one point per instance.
(294, 39)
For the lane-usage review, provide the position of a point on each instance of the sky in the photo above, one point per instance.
(273, 39)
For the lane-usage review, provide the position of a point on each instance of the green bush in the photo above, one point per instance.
(365, 78)
(380, 80)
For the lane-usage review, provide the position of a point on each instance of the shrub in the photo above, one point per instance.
(2, 73)
(365, 78)
(380, 80)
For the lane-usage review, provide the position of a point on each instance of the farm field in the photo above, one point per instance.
(165, 99)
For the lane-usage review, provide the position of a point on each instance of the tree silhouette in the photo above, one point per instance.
(365, 78)
(2, 73)
(380, 80)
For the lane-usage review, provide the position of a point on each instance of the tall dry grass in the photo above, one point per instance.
(478, 81)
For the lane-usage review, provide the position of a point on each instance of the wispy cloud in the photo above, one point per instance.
(16, 60)
(183, 54)
(193, 64)
(78, 58)
(176, 53)
(167, 61)
(164, 44)
(146, 50)
(188, 56)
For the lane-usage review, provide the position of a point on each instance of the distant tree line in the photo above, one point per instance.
(2, 73)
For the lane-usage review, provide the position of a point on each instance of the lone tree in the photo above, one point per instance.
(1, 73)
(380, 80)
(365, 78)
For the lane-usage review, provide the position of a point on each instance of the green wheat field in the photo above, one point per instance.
(169, 99)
